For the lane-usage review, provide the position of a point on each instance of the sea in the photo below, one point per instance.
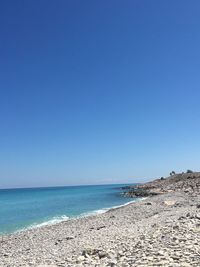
(28, 208)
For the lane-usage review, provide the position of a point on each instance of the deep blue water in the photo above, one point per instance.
(23, 208)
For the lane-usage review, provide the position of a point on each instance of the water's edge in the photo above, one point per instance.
(60, 219)
(26, 209)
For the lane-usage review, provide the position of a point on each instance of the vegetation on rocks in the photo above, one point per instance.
(186, 182)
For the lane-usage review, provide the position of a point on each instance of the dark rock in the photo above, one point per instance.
(102, 254)
(100, 227)
(139, 192)
(69, 237)
(185, 182)
(197, 216)
(91, 251)
(148, 203)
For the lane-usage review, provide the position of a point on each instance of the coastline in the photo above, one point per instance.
(121, 230)
(64, 218)
(162, 230)
(30, 208)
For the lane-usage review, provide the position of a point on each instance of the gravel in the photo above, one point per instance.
(162, 230)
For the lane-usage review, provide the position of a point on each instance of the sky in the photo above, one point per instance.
(95, 92)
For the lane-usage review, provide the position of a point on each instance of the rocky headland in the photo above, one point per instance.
(185, 182)
(161, 230)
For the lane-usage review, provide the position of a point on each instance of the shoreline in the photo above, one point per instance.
(162, 230)
(123, 230)
(83, 215)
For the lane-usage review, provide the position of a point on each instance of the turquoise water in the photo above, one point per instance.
(25, 208)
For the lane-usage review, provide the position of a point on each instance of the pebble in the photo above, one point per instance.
(132, 236)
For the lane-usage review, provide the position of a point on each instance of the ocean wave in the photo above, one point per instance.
(104, 210)
(52, 221)
(62, 218)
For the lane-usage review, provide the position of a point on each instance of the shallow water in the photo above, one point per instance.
(25, 208)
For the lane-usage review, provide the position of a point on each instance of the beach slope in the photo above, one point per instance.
(161, 230)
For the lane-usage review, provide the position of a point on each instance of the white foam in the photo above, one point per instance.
(53, 221)
(63, 218)
(101, 211)
(50, 222)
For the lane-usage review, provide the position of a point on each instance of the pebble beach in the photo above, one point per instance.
(161, 230)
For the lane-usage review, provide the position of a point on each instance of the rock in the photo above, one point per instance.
(197, 216)
(80, 258)
(162, 263)
(102, 254)
(161, 253)
(169, 202)
(112, 262)
(69, 237)
(140, 192)
(100, 227)
(185, 264)
(92, 251)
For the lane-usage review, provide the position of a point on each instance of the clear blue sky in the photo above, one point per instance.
(98, 91)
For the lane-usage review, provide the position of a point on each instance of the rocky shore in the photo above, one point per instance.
(161, 230)
(185, 182)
